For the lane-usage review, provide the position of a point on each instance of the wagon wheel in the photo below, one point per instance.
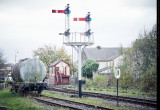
(24, 92)
(40, 90)
(13, 91)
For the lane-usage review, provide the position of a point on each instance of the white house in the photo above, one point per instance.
(5, 72)
(106, 57)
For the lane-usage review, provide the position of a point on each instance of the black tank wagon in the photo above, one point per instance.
(29, 75)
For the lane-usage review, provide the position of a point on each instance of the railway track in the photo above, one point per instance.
(68, 103)
(140, 101)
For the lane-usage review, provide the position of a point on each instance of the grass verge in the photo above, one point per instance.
(113, 91)
(96, 102)
(17, 102)
(129, 92)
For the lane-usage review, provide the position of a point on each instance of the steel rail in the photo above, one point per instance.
(78, 103)
(111, 97)
(56, 104)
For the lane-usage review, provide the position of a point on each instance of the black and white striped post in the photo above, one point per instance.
(79, 71)
(117, 75)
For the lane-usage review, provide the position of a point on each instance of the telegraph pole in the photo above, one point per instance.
(16, 55)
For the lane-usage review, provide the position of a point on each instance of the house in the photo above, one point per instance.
(5, 74)
(59, 73)
(106, 57)
(5, 71)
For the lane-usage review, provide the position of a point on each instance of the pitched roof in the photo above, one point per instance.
(55, 62)
(101, 54)
(103, 69)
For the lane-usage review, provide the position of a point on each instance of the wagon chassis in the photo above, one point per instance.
(25, 87)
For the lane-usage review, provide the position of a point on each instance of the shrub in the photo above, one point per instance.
(100, 81)
(89, 82)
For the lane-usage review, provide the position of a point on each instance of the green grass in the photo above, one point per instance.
(129, 92)
(17, 102)
(113, 91)
(96, 102)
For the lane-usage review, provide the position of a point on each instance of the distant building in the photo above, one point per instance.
(5, 72)
(59, 73)
(106, 57)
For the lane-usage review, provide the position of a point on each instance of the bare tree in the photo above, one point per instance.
(2, 59)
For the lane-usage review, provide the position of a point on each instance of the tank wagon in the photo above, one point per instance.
(29, 75)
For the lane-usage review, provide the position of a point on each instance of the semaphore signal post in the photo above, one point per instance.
(78, 40)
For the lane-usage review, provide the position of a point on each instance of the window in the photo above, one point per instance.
(57, 69)
(50, 69)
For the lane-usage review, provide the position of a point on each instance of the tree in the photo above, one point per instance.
(146, 47)
(88, 67)
(2, 59)
(62, 54)
(140, 62)
(125, 65)
(48, 55)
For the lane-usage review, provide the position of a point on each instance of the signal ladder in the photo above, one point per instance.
(79, 40)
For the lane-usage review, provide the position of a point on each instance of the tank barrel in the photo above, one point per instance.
(28, 75)
(29, 70)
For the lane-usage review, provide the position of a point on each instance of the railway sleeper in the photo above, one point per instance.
(84, 104)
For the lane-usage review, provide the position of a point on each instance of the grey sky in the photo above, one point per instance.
(26, 25)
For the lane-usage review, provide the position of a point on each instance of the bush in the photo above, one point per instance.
(100, 81)
(88, 67)
(89, 82)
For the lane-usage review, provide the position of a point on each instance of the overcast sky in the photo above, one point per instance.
(26, 25)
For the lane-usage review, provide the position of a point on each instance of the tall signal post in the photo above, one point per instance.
(67, 12)
(78, 40)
